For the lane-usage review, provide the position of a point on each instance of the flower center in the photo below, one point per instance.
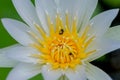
(63, 48)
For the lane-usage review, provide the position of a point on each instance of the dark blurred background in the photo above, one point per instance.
(110, 63)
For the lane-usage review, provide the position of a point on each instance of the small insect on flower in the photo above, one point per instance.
(59, 40)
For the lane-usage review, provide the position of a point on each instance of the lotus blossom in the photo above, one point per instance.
(59, 39)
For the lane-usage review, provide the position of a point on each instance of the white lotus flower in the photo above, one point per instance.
(59, 40)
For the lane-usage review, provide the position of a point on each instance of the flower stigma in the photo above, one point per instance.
(63, 48)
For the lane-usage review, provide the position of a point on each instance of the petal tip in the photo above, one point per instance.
(115, 11)
(3, 19)
(6, 19)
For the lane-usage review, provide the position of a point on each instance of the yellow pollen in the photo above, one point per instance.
(63, 48)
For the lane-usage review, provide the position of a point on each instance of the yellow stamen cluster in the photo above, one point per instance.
(63, 47)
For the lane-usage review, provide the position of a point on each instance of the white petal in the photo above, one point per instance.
(78, 74)
(27, 11)
(50, 74)
(47, 7)
(18, 31)
(20, 53)
(82, 9)
(94, 73)
(113, 32)
(103, 46)
(64, 6)
(44, 7)
(6, 61)
(102, 22)
(24, 72)
(86, 13)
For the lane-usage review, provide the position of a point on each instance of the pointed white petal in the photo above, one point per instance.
(86, 13)
(49, 8)
(24, 72)
(113, 32)
(94, 73)
(44, 7)
(64, 6)
(103, 46)
(102, 22)
(82, 9)
(50, 74)
(20, 53)
(78, 74)
(6, 61)
(57, 2)
(18, 31)
(27, 11)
